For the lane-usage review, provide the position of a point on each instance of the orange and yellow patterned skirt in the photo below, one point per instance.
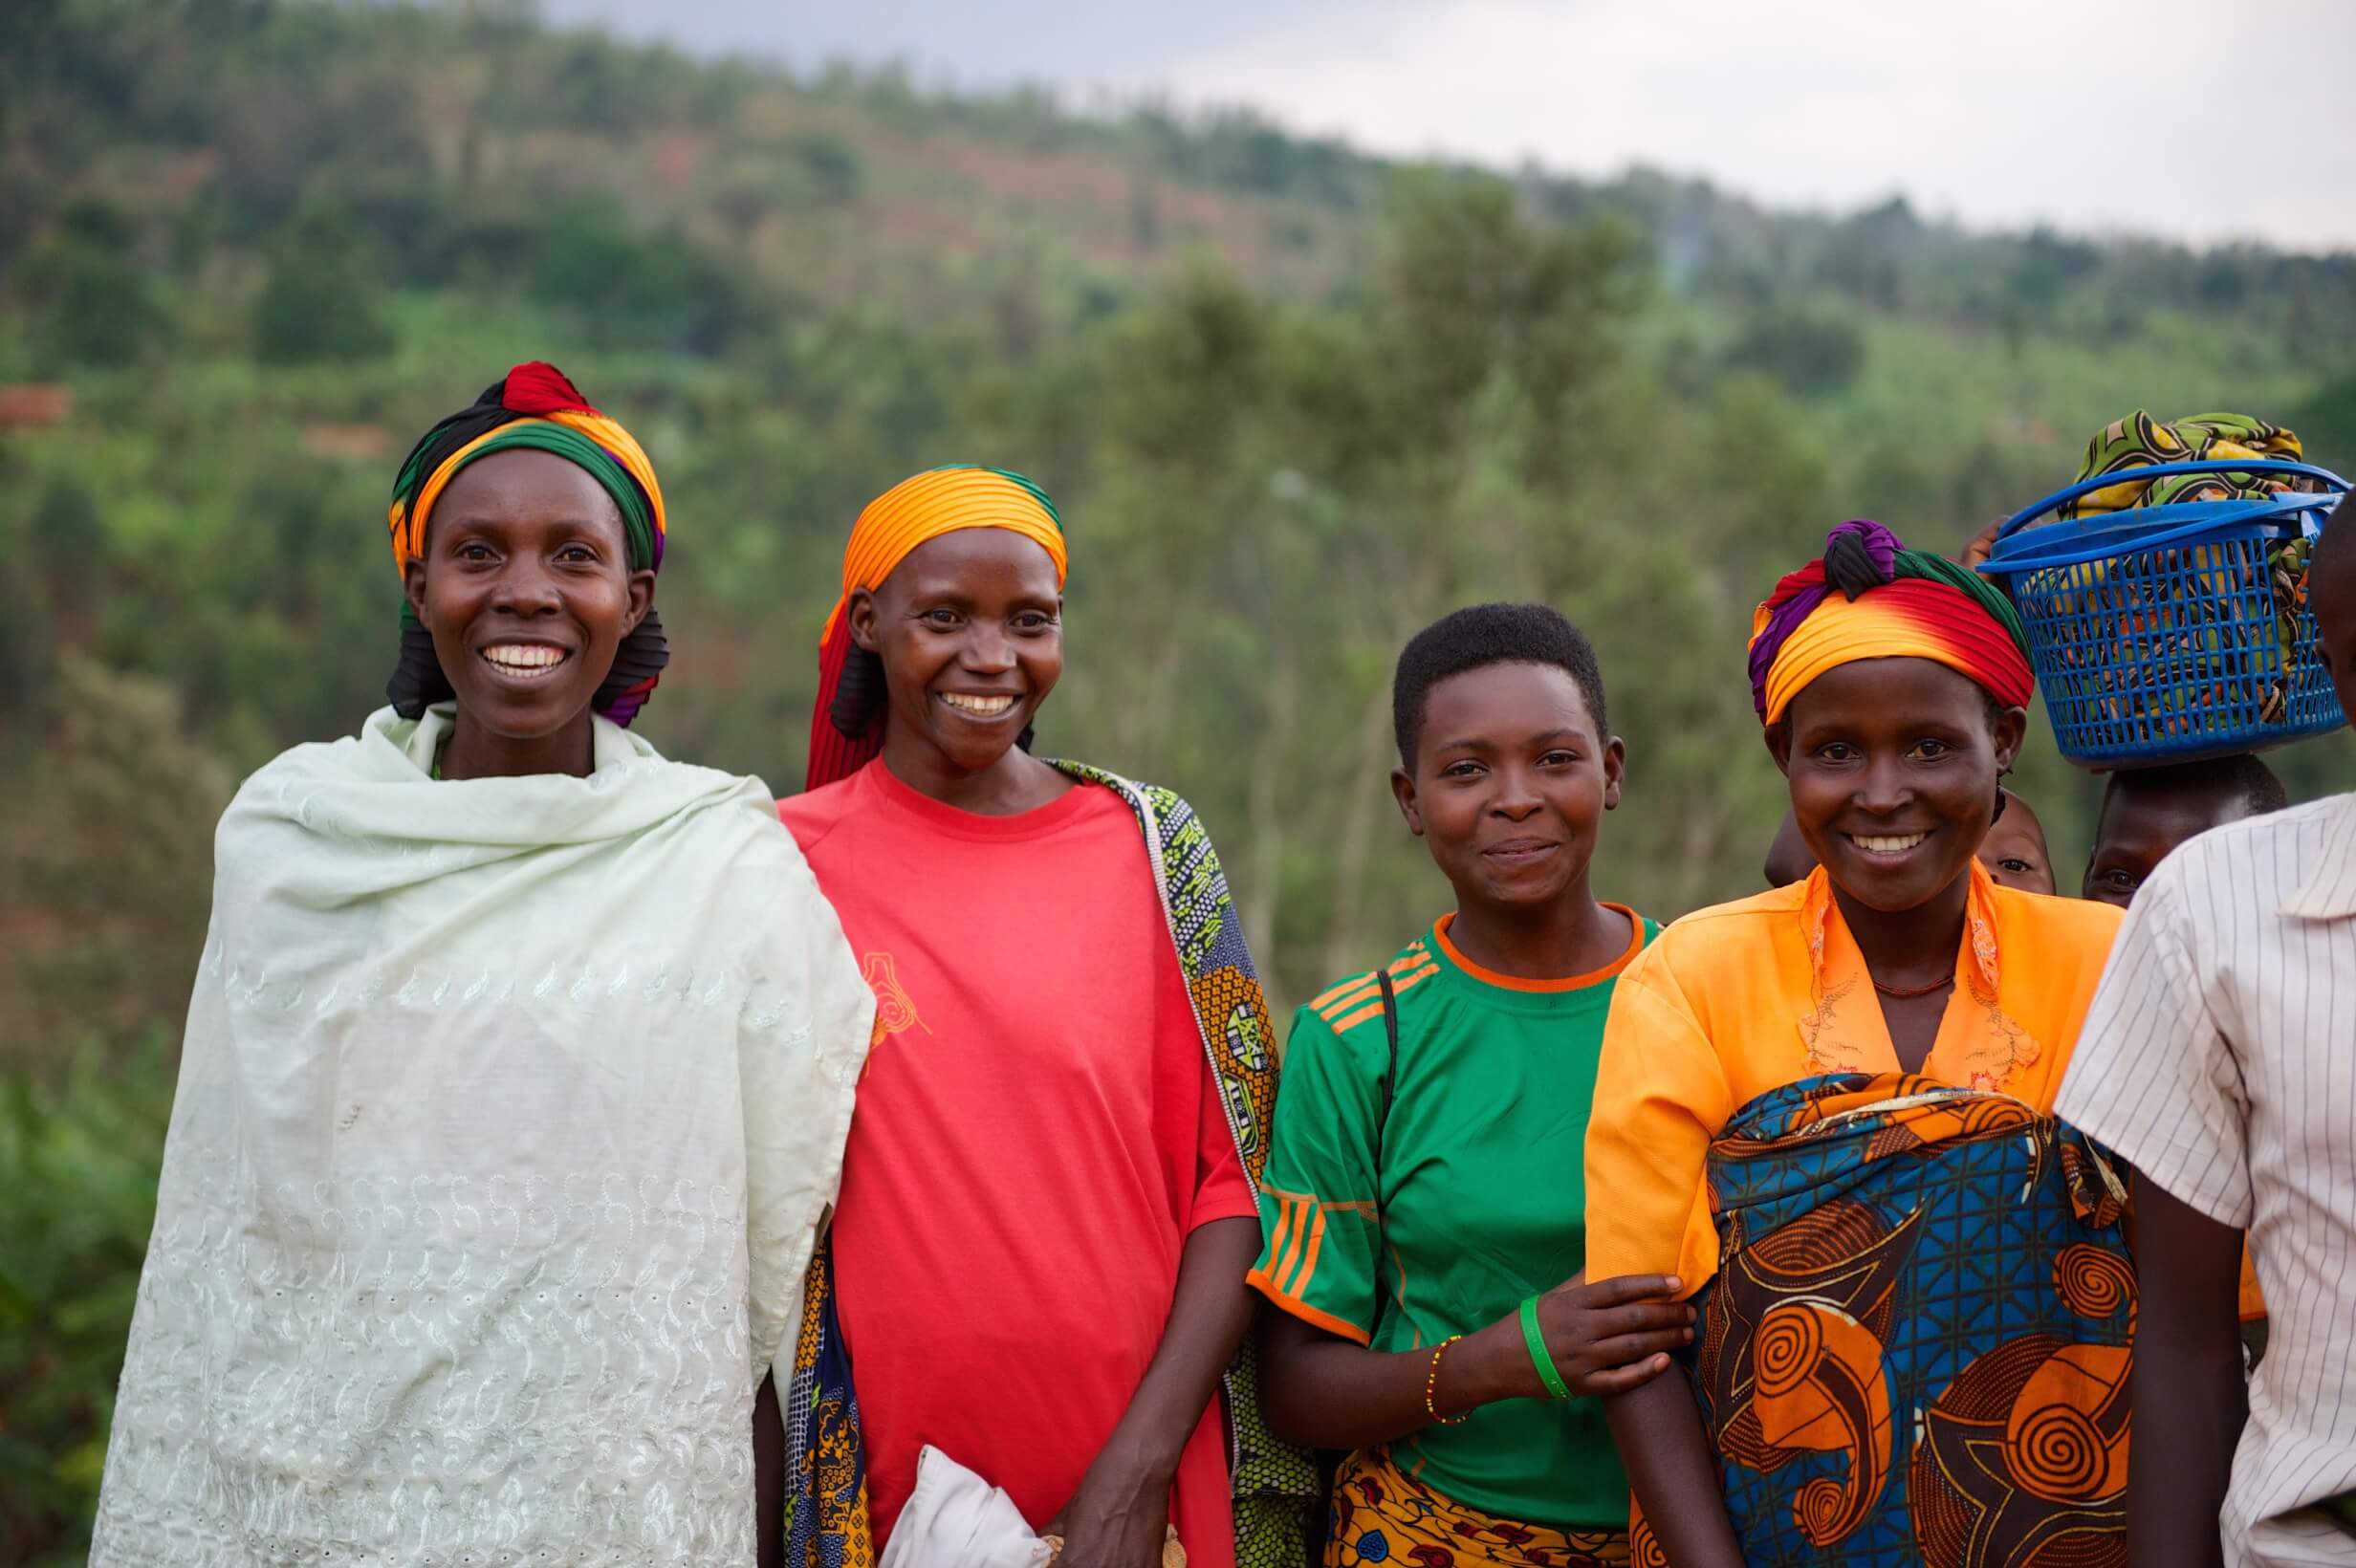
(1384, 1517)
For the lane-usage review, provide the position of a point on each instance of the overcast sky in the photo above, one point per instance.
(2181, 118)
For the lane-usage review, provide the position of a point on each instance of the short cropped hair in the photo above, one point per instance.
(1478, 637)
(2242, 782)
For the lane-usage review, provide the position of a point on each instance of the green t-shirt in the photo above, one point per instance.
(1482, 1197)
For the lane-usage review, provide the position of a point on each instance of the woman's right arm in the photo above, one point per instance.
(1661, 1094)
(1674, 1470)
(2190, 1400)
(1327, 1392)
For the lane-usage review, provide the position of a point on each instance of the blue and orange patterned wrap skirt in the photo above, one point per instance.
(1918, 1344)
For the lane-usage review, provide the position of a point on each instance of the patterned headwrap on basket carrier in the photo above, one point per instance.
(532, 406)
(2141, 442)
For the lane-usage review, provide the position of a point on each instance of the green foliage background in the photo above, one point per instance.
(1293, 402)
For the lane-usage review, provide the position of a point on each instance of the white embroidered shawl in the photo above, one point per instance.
(508, 1110)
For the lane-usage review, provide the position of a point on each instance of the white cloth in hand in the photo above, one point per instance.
(955, 1519)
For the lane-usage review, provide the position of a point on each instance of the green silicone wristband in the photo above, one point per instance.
(1539, 1358)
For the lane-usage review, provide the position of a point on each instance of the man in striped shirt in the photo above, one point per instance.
(2219, 1059)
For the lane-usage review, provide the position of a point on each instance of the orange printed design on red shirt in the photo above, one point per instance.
(894, 1013)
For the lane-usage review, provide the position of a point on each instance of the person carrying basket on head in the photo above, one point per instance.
(2216, 1060)
(2171, 598)
(2164, 592)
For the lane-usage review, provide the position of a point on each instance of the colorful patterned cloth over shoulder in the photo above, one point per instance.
(826, 1519)
(1918, 1346)
(1275, 1481)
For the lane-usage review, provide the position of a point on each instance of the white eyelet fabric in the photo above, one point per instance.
(508, 1112)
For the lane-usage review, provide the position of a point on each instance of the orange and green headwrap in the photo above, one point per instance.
(533, 406)
(846, 728)
(1870, 596)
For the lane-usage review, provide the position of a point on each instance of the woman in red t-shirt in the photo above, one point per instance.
(1048, 1203)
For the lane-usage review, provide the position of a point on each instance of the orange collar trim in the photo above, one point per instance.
(1518, 982)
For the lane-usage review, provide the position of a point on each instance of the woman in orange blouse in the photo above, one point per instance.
(1827, 1110)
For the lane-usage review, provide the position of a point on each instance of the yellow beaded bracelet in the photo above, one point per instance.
(1431, 1381)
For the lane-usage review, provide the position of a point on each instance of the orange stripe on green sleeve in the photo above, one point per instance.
(1349, 999)
(1285, 1210)
(1291, 1259)
(1307, 1314)
(1346, 995)
(1335, 993)
(1374, 1008)
(1308, 1263)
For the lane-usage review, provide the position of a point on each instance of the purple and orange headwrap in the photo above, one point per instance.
(533, 406)
(1870, 596)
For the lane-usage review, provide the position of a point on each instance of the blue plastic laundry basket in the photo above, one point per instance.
(2166, 634)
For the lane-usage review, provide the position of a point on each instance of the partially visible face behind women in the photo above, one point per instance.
(2331, 587)
(1893, 766)
(970, 628)
(527, 589)
(2015, 853)
(1511, 783)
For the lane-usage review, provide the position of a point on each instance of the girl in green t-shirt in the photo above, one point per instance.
(1422, 1211)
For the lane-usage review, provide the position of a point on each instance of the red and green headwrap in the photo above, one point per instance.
(1870, 596)
(534, 406)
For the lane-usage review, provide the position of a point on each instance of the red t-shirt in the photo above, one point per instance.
(1037, 1132)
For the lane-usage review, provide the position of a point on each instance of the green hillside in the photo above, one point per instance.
(1294, 401)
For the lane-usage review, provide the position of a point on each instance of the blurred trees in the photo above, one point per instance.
(321, 302)
(94, 304)
(625, 288)
(1309, 402)
(1640, 400)
(1810, 350)
(79, 1163)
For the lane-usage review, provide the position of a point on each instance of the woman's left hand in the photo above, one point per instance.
(1118, 1516)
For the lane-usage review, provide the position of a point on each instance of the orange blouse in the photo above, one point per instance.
(1734, 1001)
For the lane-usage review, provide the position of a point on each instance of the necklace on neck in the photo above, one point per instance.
(1904, 992)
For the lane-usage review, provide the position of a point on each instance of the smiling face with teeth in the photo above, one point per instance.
(526, 587)
(969, 631)
(1893, 766)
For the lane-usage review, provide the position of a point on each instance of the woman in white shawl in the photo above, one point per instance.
(515, 1084)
